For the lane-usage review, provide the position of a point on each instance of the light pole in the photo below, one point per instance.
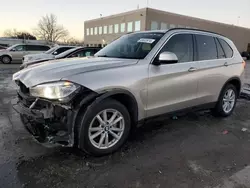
(238, 20)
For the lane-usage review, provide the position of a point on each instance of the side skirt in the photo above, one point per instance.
(178, 112)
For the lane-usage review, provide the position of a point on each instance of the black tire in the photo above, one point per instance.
(218, 111)
(84, 142)
(6, 59)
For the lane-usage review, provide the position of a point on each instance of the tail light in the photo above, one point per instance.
(244, 64)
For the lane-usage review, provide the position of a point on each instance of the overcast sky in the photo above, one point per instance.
(24, 14)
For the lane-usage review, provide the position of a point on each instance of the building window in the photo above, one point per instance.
(172, 26)
(100, 30)
(110, 29)
(105, 29)
(130, 27)
(137, 25)
(116, 28)
(154, 25)
(122, 27)
(96, 31)
(91, 31)
(164, 26)
(87, 31)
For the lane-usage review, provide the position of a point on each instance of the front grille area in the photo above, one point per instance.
(28, 100)
(23, 88)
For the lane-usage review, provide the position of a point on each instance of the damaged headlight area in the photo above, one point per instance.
(61, 90)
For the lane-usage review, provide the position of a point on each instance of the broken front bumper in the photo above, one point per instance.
(47, 122)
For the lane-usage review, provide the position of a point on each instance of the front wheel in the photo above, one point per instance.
(6, 59)
(104, 127)
(226, 102)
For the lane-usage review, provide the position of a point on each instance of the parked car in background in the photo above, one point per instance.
(74, 52)
(93, 103)
(16, 52)
(51, 53)
(246, 55)
(2, 47)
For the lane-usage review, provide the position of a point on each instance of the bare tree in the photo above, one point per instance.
(72, 41)
(48, 29)
(13, 33)
(10, 33)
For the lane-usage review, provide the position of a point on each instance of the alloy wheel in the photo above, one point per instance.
(228, 100)
(106, 129)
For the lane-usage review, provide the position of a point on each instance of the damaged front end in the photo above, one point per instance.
(50, 121)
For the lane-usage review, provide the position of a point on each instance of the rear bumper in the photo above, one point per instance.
(49, 132)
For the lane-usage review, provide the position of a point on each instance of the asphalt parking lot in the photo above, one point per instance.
(195, 150)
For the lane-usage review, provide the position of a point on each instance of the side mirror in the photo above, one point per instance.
(166, 58)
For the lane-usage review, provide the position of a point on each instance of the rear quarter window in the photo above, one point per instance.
(227, 49)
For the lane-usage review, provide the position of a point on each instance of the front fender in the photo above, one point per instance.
(5, 54)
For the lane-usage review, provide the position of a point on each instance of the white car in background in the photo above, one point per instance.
(16, 52)
(48, 54)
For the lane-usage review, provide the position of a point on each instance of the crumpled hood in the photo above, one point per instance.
(59, 69)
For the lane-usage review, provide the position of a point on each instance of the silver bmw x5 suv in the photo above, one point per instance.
(94, 103)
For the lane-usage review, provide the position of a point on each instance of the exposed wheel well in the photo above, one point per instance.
(129, 103)
(236, 82)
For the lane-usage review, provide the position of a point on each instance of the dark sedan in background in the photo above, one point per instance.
(74, 52)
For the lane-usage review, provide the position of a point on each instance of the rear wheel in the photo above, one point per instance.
(104, 127)
(6, 59)
(226, 102)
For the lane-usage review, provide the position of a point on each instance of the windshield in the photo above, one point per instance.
(131, 46)
(50, 51)
(64, 54)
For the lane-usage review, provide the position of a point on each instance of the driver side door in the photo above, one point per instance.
(172, 87)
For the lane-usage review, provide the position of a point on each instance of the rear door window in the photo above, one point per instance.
(227, 49)
(221, 54)
(206, 47)
(43, 48)
(31, 48)
(84, 53)
(61, 50)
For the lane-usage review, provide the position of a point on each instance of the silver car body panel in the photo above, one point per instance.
(18, 55)
(157, 89)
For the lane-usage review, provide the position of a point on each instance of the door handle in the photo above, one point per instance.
(192, 69)
(226, 64)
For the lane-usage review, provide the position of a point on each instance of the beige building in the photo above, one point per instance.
(101, 31)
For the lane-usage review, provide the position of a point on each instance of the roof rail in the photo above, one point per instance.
(195, 30)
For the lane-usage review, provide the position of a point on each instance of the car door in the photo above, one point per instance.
(18, 52)
(213, 65)
(172, 87)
